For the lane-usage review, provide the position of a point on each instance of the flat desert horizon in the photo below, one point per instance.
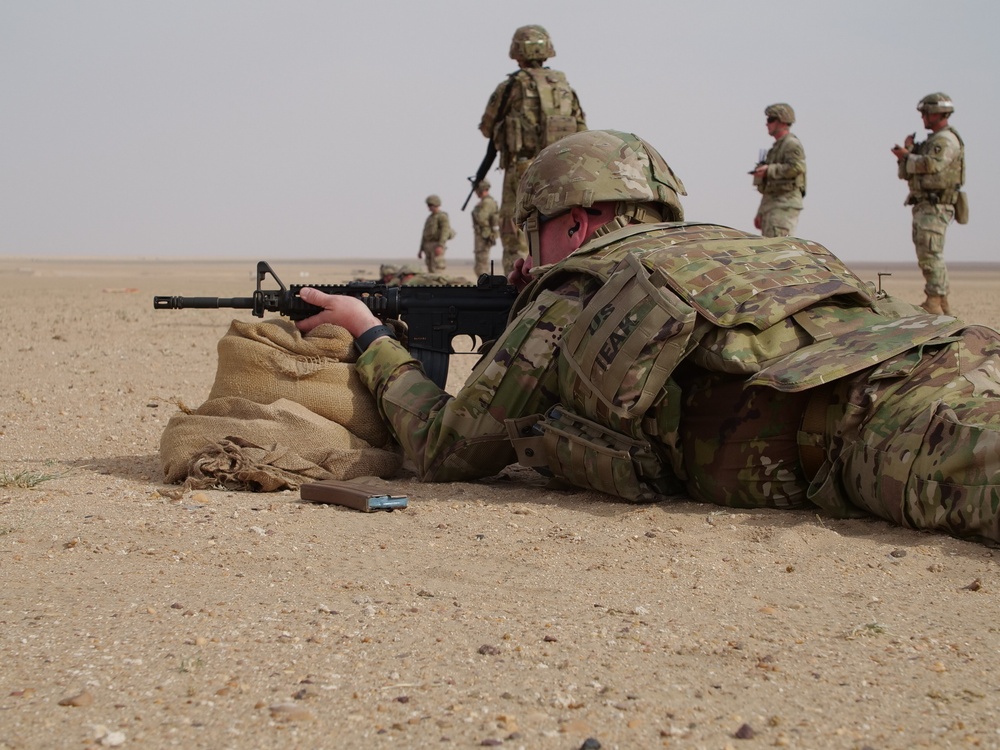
(494, 613)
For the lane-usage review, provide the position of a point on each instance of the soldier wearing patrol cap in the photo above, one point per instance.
(935, 172)
(649, 357)
(781, 177)
(532, 108)
(434, 240)
(485, 227)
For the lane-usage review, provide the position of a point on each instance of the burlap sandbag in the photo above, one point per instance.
(270, 360)
(284, 409)
(238, 444)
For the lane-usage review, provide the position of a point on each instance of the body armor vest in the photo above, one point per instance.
(540, 112)
(784, 312)
(777, 154)
(943, 186)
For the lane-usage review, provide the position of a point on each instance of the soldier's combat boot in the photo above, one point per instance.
(945, 307)
(933, 305)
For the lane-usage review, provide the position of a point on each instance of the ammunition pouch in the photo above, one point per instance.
(590, 455)
(962, 208)
(936, 197)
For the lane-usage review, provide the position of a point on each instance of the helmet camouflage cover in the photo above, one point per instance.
(936, 102)
(483, 184)
(782, 111)
(433, 200)
(387, 269)
(598, 165)
(408, 269)
(531, 43)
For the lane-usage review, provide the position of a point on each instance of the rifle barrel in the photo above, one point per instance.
(182, 303)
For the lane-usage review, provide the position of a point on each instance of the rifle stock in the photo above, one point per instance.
(434, 315)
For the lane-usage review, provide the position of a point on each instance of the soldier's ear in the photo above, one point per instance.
(586, 221)
(581, 227)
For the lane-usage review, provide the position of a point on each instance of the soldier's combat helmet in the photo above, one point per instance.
(782, 111)
(483, 184)
(433, 200)
(531, 43)
(599, 165)
(408, 269)
(387, 270)
(936, 102)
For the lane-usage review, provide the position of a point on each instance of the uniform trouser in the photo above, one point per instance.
(779, 222)
(481, 254)
(930, 220)
(919, 447)
(434, 263)
(515, 244)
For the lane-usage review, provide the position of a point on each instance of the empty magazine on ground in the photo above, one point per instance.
(351, 495)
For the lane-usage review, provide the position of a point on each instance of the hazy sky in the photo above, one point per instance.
(305, 129)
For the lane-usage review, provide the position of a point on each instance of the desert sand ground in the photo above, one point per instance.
(497, 613)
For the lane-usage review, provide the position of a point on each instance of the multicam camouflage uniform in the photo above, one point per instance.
(433, 279)
(437, 232)
(538, 108)
(410, 275)
(746, 371)
(485, 228)
(935, 172)
(784, 185)
(387, 272)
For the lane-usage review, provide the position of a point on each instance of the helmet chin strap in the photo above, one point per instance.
(629, 213)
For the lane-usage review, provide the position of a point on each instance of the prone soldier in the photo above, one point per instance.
(648, 356)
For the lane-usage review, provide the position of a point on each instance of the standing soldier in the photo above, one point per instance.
(781, 177)
(935, 171)
(534, 107)
(485, 221)
(437, 232)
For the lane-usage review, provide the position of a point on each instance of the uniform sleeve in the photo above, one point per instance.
(443, 228)
(578, 113)
(937, 154)
(480, 219)
(488, 121)
(486, 217)
(790, 164)
(494, 217)
(464, 437)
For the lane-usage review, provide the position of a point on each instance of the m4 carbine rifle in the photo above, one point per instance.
(434, 315)
(484, 167)
(491, 148)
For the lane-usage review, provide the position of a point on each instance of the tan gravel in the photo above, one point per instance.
(495, 613)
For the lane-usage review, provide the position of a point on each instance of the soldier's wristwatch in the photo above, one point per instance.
(362, 342)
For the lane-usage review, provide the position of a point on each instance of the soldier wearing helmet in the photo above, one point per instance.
(434, 240)
(485, 228)
(781, 177)
(533, 107)
(387, 272)
(935, 172)
(649, 357)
